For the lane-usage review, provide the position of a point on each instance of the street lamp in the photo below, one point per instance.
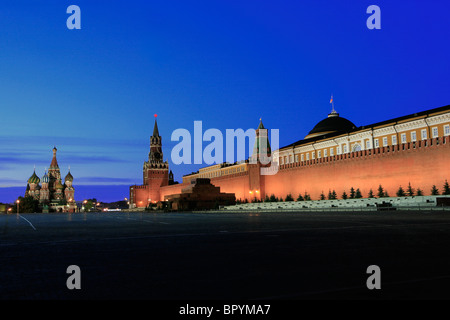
(18, 201)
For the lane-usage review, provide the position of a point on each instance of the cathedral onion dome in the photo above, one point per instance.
(34, 179)
(332, 124)
(69, 177)
(45, 178)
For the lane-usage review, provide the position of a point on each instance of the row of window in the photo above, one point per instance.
(217, 173)
(357, 147)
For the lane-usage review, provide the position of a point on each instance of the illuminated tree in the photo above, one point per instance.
(26, 205)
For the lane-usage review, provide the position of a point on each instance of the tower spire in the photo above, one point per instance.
(155, 128)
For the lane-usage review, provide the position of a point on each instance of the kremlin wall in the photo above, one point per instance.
(335, 155)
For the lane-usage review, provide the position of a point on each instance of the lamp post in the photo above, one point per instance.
(18, 201)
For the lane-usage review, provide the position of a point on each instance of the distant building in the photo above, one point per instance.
(52, 194)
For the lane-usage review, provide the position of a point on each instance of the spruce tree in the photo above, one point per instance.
(300, 197)
(322, 196)
(400, 192)
(334, 195)
(446, 187)
(370, 195)
(330, 195)
(344, 196)
(419, 192)
(358, 194)
(380, 193)
(434, 190)
(410, 190)
(272, 198)
(289, 198)
(352, 193)
(307, 196)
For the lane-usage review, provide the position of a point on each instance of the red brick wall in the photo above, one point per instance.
(423, 166)
(172, 189)
(236, 183)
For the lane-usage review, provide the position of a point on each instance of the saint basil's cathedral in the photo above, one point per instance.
(52, 194)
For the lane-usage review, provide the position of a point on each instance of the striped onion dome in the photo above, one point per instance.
(45, 178)
(69, 177)
(34, 179)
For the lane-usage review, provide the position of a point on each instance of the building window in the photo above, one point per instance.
(319, 154)
(424, 134)
(290, 159)
(385, 142)
(403, 137)
(435, 132)
(413, 136)
(394, 140)
(377, 144)
(285, 160)
(344, 147)
(302, 157)
(368, 144)
(281, 160)
(307, 156)
(356, 147)
(338, 150)
(447, 130)
(313, 154)
(331, 152)
(296, 158)
(325, 153)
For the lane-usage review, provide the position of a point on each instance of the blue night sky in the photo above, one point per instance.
(93, 92)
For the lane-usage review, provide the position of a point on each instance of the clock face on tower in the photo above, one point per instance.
(157, 156)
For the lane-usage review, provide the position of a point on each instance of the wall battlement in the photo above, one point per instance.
(383, 151)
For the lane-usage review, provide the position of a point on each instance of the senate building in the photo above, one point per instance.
(335, 155)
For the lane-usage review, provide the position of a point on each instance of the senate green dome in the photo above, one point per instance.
(34, 179)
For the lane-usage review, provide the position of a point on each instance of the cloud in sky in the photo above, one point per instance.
(108, 180)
